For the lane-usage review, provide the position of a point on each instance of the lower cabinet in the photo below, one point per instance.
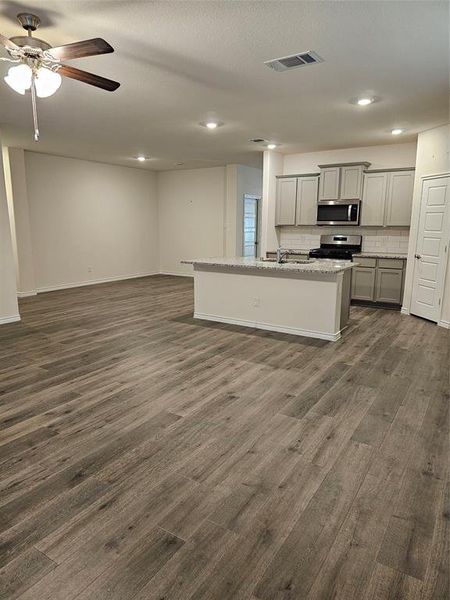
(388, 285)
(363, 283)
(378, 280)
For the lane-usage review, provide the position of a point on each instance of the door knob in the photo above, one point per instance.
(417, 256)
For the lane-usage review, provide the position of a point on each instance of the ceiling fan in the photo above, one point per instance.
(39, 67)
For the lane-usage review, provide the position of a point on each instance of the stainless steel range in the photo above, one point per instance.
(337, 247)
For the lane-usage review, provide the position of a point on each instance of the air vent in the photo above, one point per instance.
(302, 59)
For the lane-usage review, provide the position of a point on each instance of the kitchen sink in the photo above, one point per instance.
(289, 261)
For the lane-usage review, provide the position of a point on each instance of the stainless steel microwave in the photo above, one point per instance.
(338, 212)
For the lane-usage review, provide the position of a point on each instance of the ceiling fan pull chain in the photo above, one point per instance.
(34, 106)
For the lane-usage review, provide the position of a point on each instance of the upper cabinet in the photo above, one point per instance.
(296, 200)
(386, 195)
(374, 199)
(286, 201)
(307, 189)
(342, 182)
(387, 198)
(329, 183)
(351, 182)
(399, 198)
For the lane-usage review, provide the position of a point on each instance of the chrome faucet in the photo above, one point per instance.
(282, 254)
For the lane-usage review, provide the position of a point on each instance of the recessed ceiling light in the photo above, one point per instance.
(365, 100)
(141, 158)
(397, 131)
(211, 124)
(271, 146)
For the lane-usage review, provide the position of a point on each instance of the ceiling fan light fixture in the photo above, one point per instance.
(19, 78)
(47, 82)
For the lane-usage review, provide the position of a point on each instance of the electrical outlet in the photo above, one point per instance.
(256, 302)
(90, 269)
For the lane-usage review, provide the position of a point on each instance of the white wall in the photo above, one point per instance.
(19, 211)
(192, 205)
(380, 157)
(272, 167)
(89, 221)
(80, 222)
(9, 310)
(433, 158)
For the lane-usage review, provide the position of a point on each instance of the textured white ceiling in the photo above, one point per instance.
(181, 62)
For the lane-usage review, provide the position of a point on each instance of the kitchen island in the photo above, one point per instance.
(308, 298)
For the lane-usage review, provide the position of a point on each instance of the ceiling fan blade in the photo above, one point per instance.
(81, 49)
(9, 45)
(90, 78)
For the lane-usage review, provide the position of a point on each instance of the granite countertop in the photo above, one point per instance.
(381, 254)
(314, 266)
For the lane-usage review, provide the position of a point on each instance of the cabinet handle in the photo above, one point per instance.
(417, 256)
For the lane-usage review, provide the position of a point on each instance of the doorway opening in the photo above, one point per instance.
(250, 226)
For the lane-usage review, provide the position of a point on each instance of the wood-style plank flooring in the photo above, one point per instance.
(148, 456)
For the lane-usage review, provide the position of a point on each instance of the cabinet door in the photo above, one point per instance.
(388, 287)
(307, 189)
(351, 182)
(374, 198)
(329, 183)
(363, 283)
(286, 201)
(399, 198)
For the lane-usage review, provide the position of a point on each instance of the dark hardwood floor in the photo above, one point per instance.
(148, 456)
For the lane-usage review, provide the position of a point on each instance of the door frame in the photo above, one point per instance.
(258, 221)
(423, 179)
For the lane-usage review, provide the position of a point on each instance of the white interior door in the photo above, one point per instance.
(250, 226)
(432, 248)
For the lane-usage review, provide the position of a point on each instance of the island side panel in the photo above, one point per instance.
(307, 303)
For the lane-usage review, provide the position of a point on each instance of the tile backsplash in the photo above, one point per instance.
(373, 240)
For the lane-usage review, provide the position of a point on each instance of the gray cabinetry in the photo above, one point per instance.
(363, 283)
(399, 199)
(286, 201)
(378, 280)
(351, 182)
(387, 198)
(296, 202)
(388, 285)
(307, 188)
(374, 198)
(342, 181)
(329, 183)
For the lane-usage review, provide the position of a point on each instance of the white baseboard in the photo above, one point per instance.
(445, 324)
(64, 286)
(26, 294)
(11, 319)
(331, 337)
(404, 311)
(176, 274)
